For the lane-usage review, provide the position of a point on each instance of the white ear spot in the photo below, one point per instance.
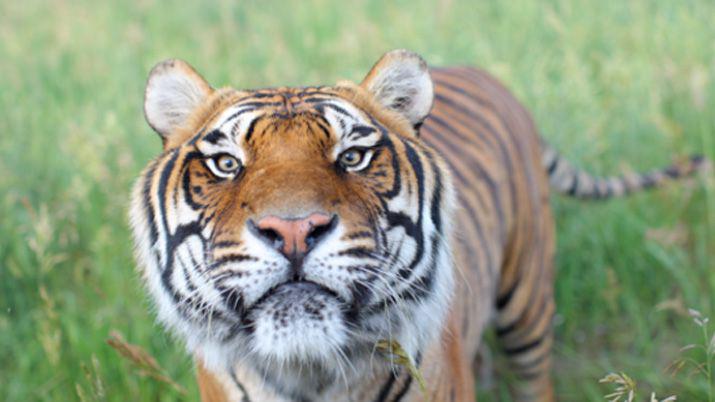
(400, 81)
(173, 91)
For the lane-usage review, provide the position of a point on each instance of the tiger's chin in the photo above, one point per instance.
(296, 333)
(299, 323)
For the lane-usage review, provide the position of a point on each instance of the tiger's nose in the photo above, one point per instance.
(295, 237)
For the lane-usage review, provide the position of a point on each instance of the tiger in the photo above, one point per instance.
(282, 233)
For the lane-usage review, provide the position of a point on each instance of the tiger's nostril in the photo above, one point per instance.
(272, 237)
(317, 232)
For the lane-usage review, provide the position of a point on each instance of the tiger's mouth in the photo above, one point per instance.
(296, 290)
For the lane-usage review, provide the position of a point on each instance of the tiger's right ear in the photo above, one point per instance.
(173, 91)
(400, 81)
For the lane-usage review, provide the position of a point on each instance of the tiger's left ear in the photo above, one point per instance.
(400, 81)
(173, 92)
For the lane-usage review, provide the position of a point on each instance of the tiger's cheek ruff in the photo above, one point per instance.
(171, 233)
(182, 294)
(418, 229)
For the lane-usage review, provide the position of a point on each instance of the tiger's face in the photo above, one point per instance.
(293, 228)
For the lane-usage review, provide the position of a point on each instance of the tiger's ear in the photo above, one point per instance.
(400, 81)
(173, 91)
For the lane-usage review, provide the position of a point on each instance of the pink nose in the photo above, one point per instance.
(294, 237)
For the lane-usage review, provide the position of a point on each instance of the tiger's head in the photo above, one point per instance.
(293, 228)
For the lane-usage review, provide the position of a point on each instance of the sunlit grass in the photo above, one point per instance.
(615, 85)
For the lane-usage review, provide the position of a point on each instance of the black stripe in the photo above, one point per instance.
(404, 390)
(408, 382)
(460, 90)
(318, 97)
(225, 244)
(232, 258)
(386, 388)
(251, 128)
(418, 234)
(148, 208)
(504, 330)
(240, 387)
(188, 193)
(574, 184)
(357, 252)
(323, 126)
(553, 165)
(361, 131)
(533, 364)
(161, 191)
(503, 299)
(237, 114)
(516, 350)
(397, 184)
(256, 105)
(338, 109)
(196, 137)
(215, 136)
(262, 94)
(185, 270)
(359, 235)
(436, 207)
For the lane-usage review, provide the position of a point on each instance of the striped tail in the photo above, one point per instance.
(569, 180)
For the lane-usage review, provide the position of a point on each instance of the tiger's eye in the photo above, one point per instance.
(227, 163)
(351, 158)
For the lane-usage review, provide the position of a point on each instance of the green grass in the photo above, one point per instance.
(612, 84)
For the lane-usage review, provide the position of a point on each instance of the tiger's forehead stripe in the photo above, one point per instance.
(348, 122)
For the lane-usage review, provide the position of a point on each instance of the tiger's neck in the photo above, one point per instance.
(446, 374)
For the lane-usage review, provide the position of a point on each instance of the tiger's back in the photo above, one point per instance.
(504, 240)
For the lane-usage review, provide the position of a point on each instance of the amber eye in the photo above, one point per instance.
(227, 163)
(224, 165)
(351, 158)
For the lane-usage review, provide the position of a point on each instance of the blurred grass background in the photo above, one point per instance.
(614, 85)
